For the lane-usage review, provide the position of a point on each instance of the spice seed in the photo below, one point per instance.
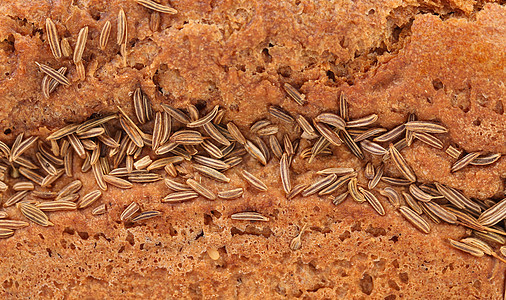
(284, 170)
(466, 248)
(319, 185)
(254, 181)
(99, 210)
(104, 35)
(249, 216)
(121, 28)
(373, 201)
(34, 214)
(180, 197)
(6, 233)
(401, 164)
(89, 199)
(129, 211)
(80, 44)
(231, 194)
(415, 219)
(12, 224)
(53, 39)
(200, 189)
(464, 161)
(145, 215)
(296, 190)
(157, 6)
(294, 94)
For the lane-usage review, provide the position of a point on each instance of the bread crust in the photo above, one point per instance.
(390, 58)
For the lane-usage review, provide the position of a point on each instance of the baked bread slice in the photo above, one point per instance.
(441, 61)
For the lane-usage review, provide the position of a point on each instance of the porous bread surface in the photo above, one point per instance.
(443, 61)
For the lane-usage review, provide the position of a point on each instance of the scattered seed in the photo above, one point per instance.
(89, 199)
(425, 126)
(180, 197)
(373, 201)
(319, 185)
(259, 125)
(392, 196)
(355, 149)
(34, 214)
(92, 124)
(132, 133)
(211, 173)
(117, 182)
(99, 210)
(122, 27)
(337, 171)
(16, 198)
(457, 198)
(368, 134)
(66, 49)
(281, 114)
(331, 119)
(12, 224)
(294, 94)
(144, 177)
(129, 211)
(466, 248)
(6, 233)
(104, 35)
(428, 139)
(77, 145)
(391, 134)
(249, 216)
(362, 122)
(254, 181)
(80, 44)
(328, 133)
(53, 39)
(157, 6)
(401, 164)
(215, 134)
(186, 137)
(373, 148)
(99, 176)
(145, 215)
(453, 152)
(419, 194)
(200, 189)
(410, 134)
(464, 161)
(296, 242)
(396, 181)
(486, 159)
(57, 205)
(255, 152)
(284, 170)
(71, 188)
(411, 202)
(377, 177)
(231, 194)
(343, 107)
(491, 237)
(22, 147)
(493, 215)
(341, 181)
(415, 219)
(204, 120)
(296, 190)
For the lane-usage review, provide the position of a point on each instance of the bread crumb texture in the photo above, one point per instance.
(442, 60)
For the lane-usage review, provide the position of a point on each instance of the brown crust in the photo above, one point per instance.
(389, 58)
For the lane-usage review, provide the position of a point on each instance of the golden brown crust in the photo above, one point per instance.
(388, 57)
